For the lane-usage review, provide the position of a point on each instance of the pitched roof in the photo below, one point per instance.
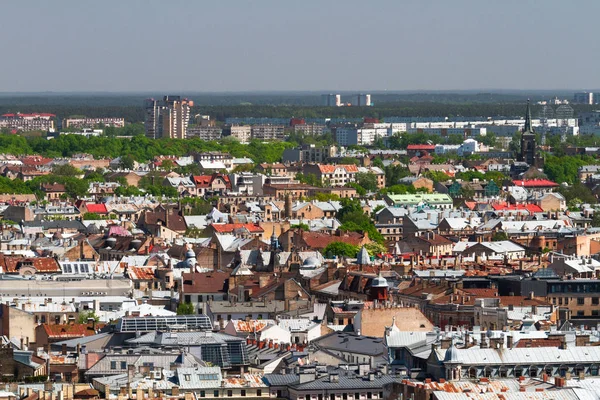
(41, 264)
(229, 228)
(429, 147)
(97, 208)
(67, 331)
(141, 273)
(535, 183)
(328, 169)
(318, 240)
(209, 282)
(175, 221)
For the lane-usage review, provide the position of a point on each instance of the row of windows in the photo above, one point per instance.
(229, 393)
(580, 300)
(333, 396)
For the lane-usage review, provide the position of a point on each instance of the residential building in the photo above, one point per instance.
(331, 100)
(268, 132)
(28, 122)
(243, 133)
(204, 132)
(309, 153)
(167, 118)
(332, 175)
(81, 123)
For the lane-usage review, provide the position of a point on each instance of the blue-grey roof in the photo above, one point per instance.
(351, 343)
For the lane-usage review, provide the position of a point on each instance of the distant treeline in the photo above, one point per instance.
(221, 106)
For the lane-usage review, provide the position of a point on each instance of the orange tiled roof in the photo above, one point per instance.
(227, 228)
(67, 331)
(329, 169)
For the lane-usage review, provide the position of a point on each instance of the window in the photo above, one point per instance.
(113, 365)
(356, 396)
(202, 393)
(243, 393)
(580, 301)
(595, 313)
(580, 313)
(369, 395)
(307, 397)
(187, 377)
(258, 392)
(345, 396)
(123, 364)
(381, 395)
(188, 298)
(230, 393)
(216, 393)
(595, 301)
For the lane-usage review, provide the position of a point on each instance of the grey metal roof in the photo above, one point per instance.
(199, 378)
(184, 338)
(105, 365)
(525, 356)
(147, 324)
(347, 380)
(352, 343)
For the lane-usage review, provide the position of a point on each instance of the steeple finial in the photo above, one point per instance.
(527, 127)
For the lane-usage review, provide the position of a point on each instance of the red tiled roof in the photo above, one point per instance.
(209, 282)
(141, 273)
(36, 160)
(228, 228)
(535, 183)
(420, 147)
(318, 240)
(202, 180)
(53, 187)
(532, 208)
(67, 331)
(97, 208)
(41, 264)
(328, 169)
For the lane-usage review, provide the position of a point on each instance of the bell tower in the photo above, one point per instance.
(528, 145)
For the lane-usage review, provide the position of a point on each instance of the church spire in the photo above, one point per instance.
(527, 128)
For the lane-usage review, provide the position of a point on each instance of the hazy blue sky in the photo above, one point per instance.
(219, 45)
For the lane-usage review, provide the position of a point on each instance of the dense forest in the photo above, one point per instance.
(220, 106)
(139, 147)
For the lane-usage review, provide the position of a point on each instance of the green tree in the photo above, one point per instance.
(86, 315)
(127, 162)
(91, 216)
(499, 236)
(185, 309)
(66, 170)
(340, 249)
(301, 226)
(367, 180)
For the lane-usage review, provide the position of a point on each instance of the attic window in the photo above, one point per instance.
(422, 326)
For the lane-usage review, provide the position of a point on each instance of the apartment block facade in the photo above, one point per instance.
(167, 118)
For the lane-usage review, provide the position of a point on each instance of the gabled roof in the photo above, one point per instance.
(97, 208)
(328, 169)
(65, 332)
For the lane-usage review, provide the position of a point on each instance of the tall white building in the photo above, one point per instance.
(331, 100)
(584, 98)
(362, 100)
